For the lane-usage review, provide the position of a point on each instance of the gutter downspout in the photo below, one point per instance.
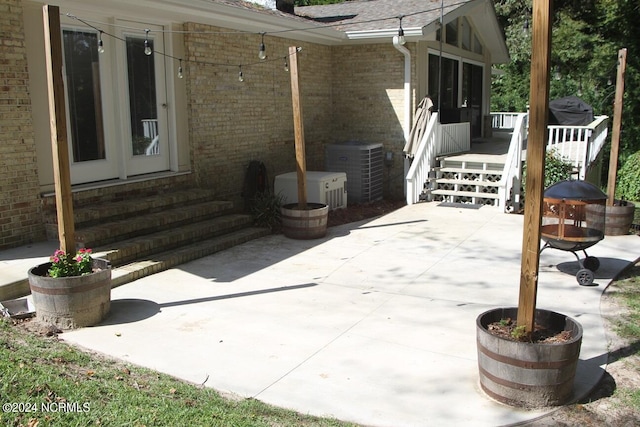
(407, 100)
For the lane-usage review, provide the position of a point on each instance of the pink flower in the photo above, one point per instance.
(59, 252)
(78, 258)
(55, 259)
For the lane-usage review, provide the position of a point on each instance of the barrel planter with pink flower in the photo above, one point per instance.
(73, 301)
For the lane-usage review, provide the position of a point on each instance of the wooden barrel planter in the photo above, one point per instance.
(525, 374)
(71, 302)
(617, 219)
(310, 223)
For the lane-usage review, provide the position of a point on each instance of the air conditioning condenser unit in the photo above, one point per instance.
(329, 188)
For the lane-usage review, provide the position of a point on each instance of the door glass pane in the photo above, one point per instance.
(83, 95)
(466, 34)
(451, 31)
(445, 98)
(447, 95)
(142, 98)
(472, 76)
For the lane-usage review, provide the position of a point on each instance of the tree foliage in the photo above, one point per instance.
(587, 35)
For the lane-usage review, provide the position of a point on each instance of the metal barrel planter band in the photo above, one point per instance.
(526, 374)
(71, 302)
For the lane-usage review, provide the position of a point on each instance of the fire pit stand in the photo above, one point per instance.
(568, 225)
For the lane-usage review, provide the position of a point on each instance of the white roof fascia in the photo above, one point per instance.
(209, 13)
(378, 34)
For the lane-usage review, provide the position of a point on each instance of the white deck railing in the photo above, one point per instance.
(423, 161)
(580, 145)
(509, 192)
(150, 129)
(502, 120)
(453, 138)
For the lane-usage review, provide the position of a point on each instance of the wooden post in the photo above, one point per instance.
(301, 163)
(536, 145)
(58, 126)
(617, 125)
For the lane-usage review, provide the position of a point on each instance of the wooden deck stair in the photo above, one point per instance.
(468, 179)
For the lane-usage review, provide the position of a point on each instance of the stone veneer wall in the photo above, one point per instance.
(20, 209)
(233, 122)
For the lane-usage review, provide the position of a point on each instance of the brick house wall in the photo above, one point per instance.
(20, 209)
(233, 122)
(368, 103)
(348, 93)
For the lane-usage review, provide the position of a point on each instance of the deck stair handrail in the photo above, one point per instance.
(579, 145)
(423, 162)
(509, 189)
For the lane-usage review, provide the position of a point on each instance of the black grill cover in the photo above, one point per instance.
(570, 111)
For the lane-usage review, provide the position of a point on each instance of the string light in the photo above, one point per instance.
(286, 64)
(401, 38)
(262, 53)
(147, 47)
(180, 75)
(100, 43)
(240, 75)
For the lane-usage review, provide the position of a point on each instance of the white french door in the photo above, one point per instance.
(92, 152)
(116, 101)
(144, 101)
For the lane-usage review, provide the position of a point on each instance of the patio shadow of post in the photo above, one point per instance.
(134, 310)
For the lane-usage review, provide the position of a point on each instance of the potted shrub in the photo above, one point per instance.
(71, 291)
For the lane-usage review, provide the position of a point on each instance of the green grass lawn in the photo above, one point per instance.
(627, 326)
(45, 382)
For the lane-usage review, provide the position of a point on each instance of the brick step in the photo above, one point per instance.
(111, 211)
(109, 232)
(168, 259)
(124, 251)
(120, 275)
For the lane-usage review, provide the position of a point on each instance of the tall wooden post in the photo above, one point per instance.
(301, 163)
(58, 126)
(536, 145)
(617, 125)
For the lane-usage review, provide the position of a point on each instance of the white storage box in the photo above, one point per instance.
(329, 188)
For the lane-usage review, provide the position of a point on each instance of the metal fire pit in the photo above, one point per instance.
(573, 220)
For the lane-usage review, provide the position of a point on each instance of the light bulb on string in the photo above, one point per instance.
(147, 47)
(180, 75)
(262, 53)
(240, 75)
(100, 43)
(286, 64)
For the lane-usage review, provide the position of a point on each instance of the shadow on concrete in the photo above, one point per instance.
(134, 310)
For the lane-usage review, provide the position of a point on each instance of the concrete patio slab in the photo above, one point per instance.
(373, 324)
